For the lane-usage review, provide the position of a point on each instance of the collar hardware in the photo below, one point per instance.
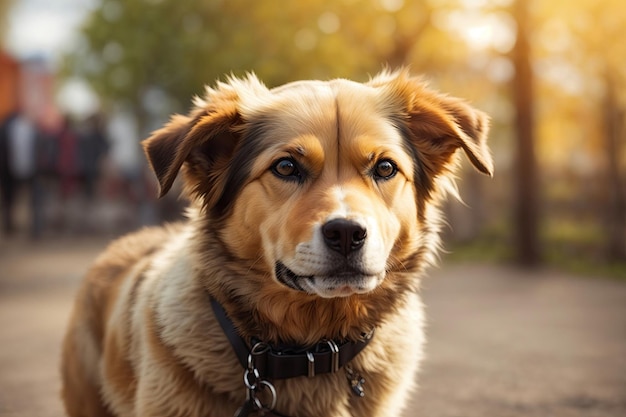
(265, 362)
(282, 362)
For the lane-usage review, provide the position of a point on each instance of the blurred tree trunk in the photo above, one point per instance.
(399, 55)
(404, 43)
(616, 201)
(526, 186)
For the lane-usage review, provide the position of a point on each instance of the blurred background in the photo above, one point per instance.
(82, 82)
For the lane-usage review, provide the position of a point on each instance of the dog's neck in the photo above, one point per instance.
(288, 361)
(266, 309)
(291, 318)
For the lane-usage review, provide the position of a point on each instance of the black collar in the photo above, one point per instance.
(281, 362)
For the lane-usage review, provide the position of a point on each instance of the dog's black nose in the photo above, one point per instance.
(344, 236)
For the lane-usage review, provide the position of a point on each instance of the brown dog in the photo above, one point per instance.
(313, 214)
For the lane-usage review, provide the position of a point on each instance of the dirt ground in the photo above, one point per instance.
(501, 342)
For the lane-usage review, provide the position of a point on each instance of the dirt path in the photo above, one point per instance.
(502, 342)
(507, 343)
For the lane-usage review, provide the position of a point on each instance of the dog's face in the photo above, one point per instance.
(325, 186)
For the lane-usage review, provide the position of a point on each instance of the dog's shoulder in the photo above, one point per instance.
(121, 257)
(128, 249)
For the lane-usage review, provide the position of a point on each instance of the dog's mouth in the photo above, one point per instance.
(338, 283)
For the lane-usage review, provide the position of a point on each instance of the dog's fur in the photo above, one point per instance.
(265, 171)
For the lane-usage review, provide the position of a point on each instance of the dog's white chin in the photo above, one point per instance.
(330, 288)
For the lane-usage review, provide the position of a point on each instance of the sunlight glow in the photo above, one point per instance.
(480, 30)
(329, 22)
(479, 36)
(305, 39)
(391, 5)
(76, 97)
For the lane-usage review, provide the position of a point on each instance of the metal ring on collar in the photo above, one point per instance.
(250, 378)
(258, 403)
(259, 348)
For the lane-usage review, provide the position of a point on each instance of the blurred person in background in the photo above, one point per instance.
(93, 146)
(68, 169)
(68, 165)
(49, 172)
(19, 152)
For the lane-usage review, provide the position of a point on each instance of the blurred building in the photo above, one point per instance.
(28, 85)
(9, 81)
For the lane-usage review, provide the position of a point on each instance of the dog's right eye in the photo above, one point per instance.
(286, 168)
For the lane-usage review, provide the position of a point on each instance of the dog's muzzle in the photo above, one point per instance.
(333, 264)
(337, 283)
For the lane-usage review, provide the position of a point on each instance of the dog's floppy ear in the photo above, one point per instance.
(204, 140)
(439, 124)
(459, 125)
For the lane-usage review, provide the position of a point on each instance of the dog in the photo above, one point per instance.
(292, 289)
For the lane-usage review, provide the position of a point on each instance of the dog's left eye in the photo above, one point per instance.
(286, 168)
(385, 169)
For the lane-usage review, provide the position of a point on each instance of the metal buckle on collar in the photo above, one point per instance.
(334, 351)
(334, 359)
(311, 368)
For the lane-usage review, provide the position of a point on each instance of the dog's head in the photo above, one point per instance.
(325, 186)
